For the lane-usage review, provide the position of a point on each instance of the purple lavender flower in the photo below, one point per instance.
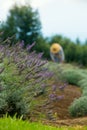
(30, 46)
(55, 97)
(60, 97)
(21, 44)
(52, 96)
(43, 86)
(29, 71)
(63, 86)
(40, 55)
(54, 87)
(1, 48)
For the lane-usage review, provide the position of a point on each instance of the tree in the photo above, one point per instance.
(78, 41)
(42, 45)
(85, 42)
(23, 22)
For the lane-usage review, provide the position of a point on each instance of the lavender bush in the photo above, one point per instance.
(23, 77)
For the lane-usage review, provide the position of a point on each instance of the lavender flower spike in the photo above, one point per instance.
(54, 87)
(22, 44)
(30, 46)
(40, 55)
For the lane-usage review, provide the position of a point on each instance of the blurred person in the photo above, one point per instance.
(57, 53)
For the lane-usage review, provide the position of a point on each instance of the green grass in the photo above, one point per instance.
(18, 124)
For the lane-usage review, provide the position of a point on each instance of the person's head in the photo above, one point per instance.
(56, 53)
(55, 48)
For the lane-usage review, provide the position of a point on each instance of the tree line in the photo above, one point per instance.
(23, 24)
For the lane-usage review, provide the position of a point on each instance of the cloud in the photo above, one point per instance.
(39, 3)
(76, 1)
(5, 5)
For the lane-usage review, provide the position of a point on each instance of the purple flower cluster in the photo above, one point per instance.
(55, 97)
(55, 88)
(30, 46)
(23, 76)
(63, 86)
(29, 66)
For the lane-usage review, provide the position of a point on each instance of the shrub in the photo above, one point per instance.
(83, 83)
(84, 91)
(76, 76)
(79, 107)
(72, 76)
(23, 76)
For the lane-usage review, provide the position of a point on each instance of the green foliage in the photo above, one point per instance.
(8, 123)
(74, 51)
(23, 76)
(79, 107)
(42, 46)
(72, 76)
(84, 91)
(76, 76)
(78, 41)
(84, 55)
(83, 83)
(23, 22)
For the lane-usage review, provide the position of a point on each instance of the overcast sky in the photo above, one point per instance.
(66, 17)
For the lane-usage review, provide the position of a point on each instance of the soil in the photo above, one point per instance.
(56, 112)
(59, 109)
(67, 122)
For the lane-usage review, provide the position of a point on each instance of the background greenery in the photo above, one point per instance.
(23, 24)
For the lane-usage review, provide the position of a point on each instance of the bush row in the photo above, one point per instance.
(79, 106)
(76, 76)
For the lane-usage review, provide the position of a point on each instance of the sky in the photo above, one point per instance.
(64, 17)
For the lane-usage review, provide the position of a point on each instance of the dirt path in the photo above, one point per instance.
(67, 122)
(56, 112)
(59, 109)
